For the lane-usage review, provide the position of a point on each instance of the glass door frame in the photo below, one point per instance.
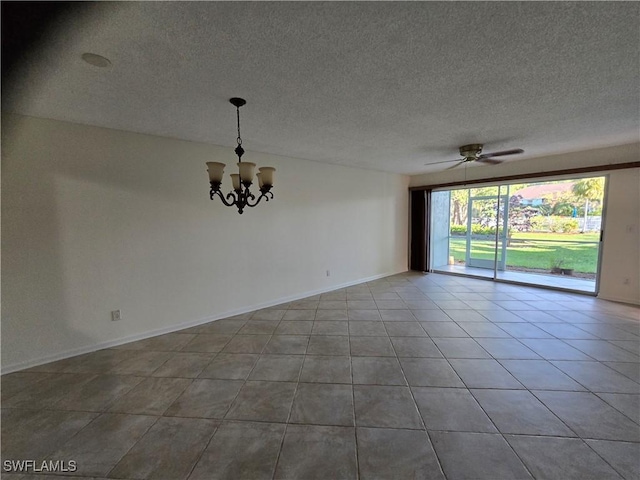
(502, 208)
(534, 179)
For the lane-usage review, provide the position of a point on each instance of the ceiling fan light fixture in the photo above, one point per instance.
(471, 151)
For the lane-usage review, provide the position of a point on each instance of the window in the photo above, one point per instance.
(544, 233)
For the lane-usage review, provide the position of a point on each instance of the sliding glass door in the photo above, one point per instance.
(542, 233)
(486, 246)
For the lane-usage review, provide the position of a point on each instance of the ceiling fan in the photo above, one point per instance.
(473, 153)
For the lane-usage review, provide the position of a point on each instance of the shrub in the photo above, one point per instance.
(458, 229)
(480, 230)
(569, 225)
(554, 223)
(475, 229)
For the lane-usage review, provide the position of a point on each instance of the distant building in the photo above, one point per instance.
(539, 194)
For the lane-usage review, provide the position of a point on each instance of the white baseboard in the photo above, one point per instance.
(628, 301)
(14, 367)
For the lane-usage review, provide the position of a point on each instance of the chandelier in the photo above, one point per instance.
(241, 196)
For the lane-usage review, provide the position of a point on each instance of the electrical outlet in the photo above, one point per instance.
(116, 315)
(328, 273)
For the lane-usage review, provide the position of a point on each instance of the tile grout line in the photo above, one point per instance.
(293, 399)
(415, 404)
(353, 396)
(483, 410)
(398, 285)
(526, 389)
(600, 456)
(613, 406)
(133, 445)
(231, 404)
(487, 415)
(246, 379)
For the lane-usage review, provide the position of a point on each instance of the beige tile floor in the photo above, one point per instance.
(411, 376)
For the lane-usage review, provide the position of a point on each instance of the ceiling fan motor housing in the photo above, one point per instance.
(471, 151)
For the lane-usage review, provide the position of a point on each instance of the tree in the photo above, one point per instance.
(564, 209)
(459, 200)
(520, 215)
(560, 203)
(588, 189)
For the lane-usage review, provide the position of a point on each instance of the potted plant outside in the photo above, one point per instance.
(567, 271)
(556, 265)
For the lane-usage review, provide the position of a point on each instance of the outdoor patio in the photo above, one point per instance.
(555, 281)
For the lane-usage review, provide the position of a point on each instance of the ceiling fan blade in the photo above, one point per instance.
(456, 165)
(489, 160)
(444, 161)
(502, 153)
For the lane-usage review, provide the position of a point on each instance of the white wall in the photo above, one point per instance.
(620, 275)
(96, 220)
(621, 246)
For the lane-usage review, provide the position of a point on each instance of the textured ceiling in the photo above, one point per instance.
(384, 85)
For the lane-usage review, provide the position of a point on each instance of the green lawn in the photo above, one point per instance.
(579, 237)
(537, 250)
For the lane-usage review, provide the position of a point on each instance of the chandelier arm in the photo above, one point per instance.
(266, 195)
(229, 195)
(215, 190)
(249, 197)
(254, 203)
